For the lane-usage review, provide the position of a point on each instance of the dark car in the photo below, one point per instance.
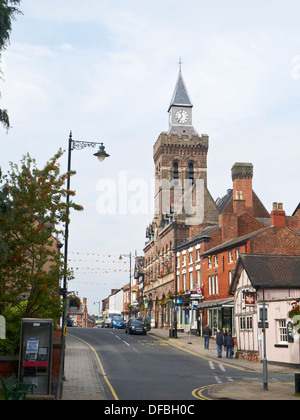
(118, 322)
(136, 326)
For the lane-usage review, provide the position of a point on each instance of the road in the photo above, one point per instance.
(148, 368)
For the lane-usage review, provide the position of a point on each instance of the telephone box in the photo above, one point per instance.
(36, 354)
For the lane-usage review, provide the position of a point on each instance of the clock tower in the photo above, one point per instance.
(180, 157)
(180, 110)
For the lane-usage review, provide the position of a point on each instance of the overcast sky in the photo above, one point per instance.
(106, 69)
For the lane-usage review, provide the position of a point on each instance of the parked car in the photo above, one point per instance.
(118, 322)
(136, 326)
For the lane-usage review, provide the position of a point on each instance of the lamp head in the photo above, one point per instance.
(101, 154)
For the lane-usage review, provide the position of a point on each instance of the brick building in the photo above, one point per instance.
(181, 195)
(208, 235)
(208, 260)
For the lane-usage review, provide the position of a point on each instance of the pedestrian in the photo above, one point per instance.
(219, 342)
(207, 334)
(229, 344)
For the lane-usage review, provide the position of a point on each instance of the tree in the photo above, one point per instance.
(33, 211)
(8, 12)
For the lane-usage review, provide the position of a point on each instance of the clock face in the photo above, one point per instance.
(181, 116)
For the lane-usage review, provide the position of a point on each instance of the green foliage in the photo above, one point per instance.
(8, 12)
(10, 346)
(33, 211)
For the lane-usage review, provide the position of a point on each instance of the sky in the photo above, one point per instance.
(106, 70)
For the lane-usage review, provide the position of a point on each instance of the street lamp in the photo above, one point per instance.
(120, 258)
(101, 155)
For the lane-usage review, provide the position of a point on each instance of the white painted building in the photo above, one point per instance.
(275, 280)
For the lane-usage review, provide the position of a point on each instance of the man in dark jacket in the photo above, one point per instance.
(219, 342)
(207, 335)
(229, 344)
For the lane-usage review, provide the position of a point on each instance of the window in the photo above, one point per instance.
(191, 257)
(230, 256)
(175, 173)
(184, 261)
(199, 277)
(198, 254)
(237, 253)
(191, 280)
(213, 286)
(184, 281)
(216, 261)
(246, 323)
(209, 262)
(191, 173)
(282, 331)
(230, 276)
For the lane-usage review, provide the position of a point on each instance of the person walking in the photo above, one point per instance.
(229, 344)
(219, 342)
(207, 334)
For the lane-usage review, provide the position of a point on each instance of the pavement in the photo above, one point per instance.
(83, 380)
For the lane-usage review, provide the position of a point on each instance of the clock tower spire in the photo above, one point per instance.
(180, 109)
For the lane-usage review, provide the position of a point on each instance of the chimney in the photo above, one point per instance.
(242, 174)
(278, 215)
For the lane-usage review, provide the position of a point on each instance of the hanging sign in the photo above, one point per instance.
(250, 298)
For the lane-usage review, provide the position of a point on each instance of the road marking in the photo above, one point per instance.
(118, 337)
(222, 367)
(196, 354)
(101, 367)
(126, 343)
(218, 380)
(211, 365)
(197, 393)
(229, 379)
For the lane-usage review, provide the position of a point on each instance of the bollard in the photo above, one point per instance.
(297, 382)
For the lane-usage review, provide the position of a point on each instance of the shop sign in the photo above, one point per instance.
(250, 298)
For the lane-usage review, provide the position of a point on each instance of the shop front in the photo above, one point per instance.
(219, 315)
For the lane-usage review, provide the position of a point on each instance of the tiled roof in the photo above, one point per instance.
(180, 95)
(233, 242)
(272, 271)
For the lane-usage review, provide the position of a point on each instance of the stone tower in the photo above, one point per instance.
(180, 157)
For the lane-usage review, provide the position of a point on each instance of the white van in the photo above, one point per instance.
(109, 314)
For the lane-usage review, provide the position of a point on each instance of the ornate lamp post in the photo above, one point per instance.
(101, 155)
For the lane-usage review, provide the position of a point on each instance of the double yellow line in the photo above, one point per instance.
(101, 367)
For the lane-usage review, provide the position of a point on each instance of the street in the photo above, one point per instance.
(142, 367)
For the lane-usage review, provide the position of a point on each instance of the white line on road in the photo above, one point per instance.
(211, 365)
(118, 337)
(222, 367)
(218, 380)
(126, 343)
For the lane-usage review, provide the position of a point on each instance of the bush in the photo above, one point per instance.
(11, 345)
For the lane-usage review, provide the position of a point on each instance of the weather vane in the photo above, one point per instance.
(180, 63)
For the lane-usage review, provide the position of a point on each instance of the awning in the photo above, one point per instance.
(218, 303)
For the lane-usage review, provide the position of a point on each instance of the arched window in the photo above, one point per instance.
(191, 173)
(175, 173)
